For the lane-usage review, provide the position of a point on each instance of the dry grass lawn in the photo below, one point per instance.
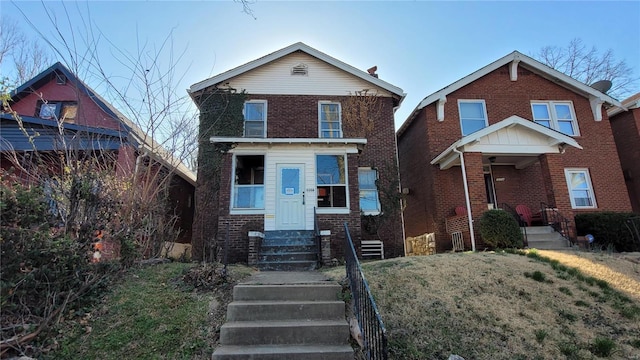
(509, 306)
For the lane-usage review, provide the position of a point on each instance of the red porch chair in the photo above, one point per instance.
(527, 216)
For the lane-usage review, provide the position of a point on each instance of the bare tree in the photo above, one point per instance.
(589, 65)
(29, 56)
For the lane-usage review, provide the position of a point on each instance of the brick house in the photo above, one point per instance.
(626, 133)
(62, 114)
(306, 152)
(515, 132)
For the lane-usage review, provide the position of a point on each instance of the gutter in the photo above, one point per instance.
(466, 197)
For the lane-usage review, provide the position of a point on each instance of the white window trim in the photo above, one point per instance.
(484, 109)
(567, 175)
(241, 211)
(375, 212)
(333, 210)
(554, 118)
(264, 130)
(324, 102)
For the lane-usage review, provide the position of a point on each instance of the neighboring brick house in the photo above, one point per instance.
(298, 153)
(524, 133)
(626, 133)
(61, 113)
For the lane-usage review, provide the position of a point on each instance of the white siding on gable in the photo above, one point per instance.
(322, 79)
(516, 139)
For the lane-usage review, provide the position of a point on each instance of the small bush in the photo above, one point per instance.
(608, 229)
(603, 347)
(500, 230)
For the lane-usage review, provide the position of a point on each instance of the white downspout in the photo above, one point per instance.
(466, 196)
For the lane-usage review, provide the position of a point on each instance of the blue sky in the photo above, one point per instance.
(420, 46)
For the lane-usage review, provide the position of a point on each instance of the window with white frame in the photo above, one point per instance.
(580, 188)
(331, 181)
(473, 116)
(248, 185)
(255, 118)
(329, 120)
(557, 115)
(369, 199)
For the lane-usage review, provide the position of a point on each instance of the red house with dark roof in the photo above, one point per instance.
(59, 112)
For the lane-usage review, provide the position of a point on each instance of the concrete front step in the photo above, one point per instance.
(285, 310)
(284, 352)
(288, 332)
(287, 265)
(297, 292)
(291, 248)
(549, 245)
(532, 230)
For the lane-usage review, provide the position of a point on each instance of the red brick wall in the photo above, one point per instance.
(89, 113)
(431, 200)
(626, 132)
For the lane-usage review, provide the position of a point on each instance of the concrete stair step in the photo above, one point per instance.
(544, 237)
(539, 230)
(285, 310)
(319, 332)
(297, 292)
(278, 249)
(284, 352)
(287, 265)
(549, 244)
(289, 256)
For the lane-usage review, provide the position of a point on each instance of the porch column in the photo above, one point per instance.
(555, 184)
(477, 192)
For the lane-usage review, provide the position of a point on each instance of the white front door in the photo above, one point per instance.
(290, 197)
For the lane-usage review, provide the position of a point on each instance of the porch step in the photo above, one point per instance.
(545, 238)
(290, 316)
(288, 250)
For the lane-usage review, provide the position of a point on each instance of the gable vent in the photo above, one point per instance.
(300, 69)
(61, 79)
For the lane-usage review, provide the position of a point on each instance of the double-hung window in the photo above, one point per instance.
(557, 115)
(331, 181)
(330, 120)
(369, 199)
(473, 116)
(580, 188)
(248, 186)
(255, 118)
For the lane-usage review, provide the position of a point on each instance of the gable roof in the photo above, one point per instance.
(135, 135)
(299, 46)
(544, 140)
(632, 102)
(521, 59)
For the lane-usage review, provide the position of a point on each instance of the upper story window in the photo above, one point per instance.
(330, 120)
(255, 118)
(369, 199)
(57, 110)
(331, 181)
(580, 188)
(473, 116)
(557, 115)
(248, 186)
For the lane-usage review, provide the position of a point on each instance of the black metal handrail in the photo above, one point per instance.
(316, 232)
(523, 224)
(373, 332)
(552, 217)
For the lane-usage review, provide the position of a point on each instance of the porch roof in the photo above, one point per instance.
(328, 141)
(517, 139)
